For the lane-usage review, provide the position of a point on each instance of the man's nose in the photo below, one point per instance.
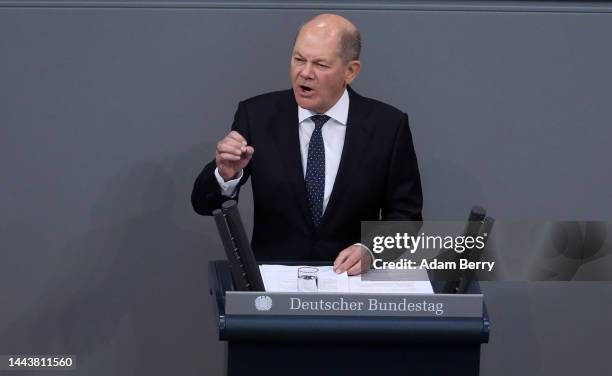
(307, 71)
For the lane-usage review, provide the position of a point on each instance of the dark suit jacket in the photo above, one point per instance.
(378, 178)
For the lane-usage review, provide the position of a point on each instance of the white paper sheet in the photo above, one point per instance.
(283, 278)
(357, 285)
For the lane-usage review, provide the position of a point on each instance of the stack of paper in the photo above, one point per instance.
(283, 278)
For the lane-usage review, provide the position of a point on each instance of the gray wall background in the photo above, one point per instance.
(109, 110)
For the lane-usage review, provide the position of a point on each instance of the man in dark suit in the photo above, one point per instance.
(321, 157)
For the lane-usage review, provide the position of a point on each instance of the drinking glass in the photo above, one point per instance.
(308, 279)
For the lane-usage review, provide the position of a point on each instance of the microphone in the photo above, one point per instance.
(472, 228)
(243, 266)
(474, 255)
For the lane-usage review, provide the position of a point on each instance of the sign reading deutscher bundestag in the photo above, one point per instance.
(317, 304)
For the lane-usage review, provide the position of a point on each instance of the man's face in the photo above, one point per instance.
(318, 74)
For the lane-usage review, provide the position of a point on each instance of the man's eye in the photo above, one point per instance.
(300, 60)
(322, 65)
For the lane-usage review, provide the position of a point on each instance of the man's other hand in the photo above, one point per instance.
(355, 260)
(232, 155)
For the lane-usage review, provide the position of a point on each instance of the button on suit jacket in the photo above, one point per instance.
(378, 178)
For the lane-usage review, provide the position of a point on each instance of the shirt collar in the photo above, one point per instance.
(338, 112)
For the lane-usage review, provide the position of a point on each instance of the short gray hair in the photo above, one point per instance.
(350, 45)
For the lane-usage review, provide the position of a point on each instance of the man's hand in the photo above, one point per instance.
(355, 260)
(232, 155)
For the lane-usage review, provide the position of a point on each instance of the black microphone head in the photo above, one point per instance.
(477, 214)
(474, 221)
(228, 204)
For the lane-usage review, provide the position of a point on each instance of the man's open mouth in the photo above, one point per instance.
(305, 88)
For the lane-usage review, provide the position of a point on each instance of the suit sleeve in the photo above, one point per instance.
(403, 200)
(206, 195)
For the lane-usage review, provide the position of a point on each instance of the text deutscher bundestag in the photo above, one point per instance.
(411, 243)
(372, 304)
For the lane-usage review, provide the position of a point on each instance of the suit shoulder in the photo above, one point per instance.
(383, 108)
(378, 116)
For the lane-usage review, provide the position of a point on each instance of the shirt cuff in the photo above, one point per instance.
(369, 251)
(228, 188)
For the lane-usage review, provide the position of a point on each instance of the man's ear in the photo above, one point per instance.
(352, 71)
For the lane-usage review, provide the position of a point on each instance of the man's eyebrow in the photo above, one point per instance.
(315, 60)
(320, 60)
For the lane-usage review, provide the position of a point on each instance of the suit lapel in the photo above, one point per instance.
(286, 135)
(355, 144)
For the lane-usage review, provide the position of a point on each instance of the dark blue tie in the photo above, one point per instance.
(315, 170)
